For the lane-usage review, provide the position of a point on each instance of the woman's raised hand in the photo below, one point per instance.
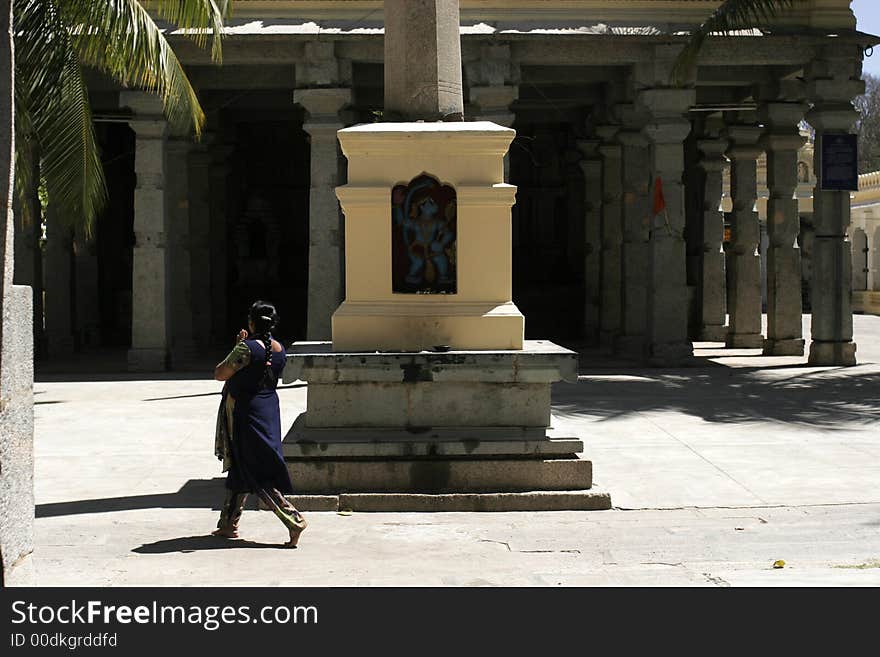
(242, 335)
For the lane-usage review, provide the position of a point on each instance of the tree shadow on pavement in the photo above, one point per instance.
(187, 544)
(827, 399)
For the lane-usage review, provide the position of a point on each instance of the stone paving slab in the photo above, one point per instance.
(715, 473)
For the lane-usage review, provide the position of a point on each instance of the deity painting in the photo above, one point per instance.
(423, 237)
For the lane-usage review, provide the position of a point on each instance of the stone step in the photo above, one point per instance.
(439, 475)
(304, 442)
(573, 500)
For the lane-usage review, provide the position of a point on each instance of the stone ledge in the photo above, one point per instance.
(579, 500)
(304, 442)
(539, 361)
(511, 475)
(576, 500)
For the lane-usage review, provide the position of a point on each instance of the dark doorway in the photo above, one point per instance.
(267, 223)
(114, 234)
(548, 231)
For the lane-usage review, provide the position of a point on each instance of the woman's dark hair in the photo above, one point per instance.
(264, 317)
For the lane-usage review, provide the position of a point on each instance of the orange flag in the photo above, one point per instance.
(659, 200)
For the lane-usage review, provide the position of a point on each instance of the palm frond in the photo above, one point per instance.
(52, 104)
(119, 38)
(732, 15)
(204, 17)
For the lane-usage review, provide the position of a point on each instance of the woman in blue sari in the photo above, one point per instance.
(248, 437)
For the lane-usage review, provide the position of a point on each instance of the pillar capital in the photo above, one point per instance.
(323, 105)
(607, 132)
(141, 103)
(493, 67)
(782, 117)
(712, 154)
(149, 128)
(493, 97)
(589, 148)
(492, 103)
(666, 103)
(319, 66)
(743, 141)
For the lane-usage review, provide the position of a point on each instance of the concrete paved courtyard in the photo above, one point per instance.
(715, 472)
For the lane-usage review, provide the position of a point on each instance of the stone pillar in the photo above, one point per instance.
(636, 223)
(591, 165)
(874, 275)
(667, 321)
(150, 339)
(57, 285)
(492, 103)
(177, 190)
(200, 235)
(87, 330)
(743, 261)
(423, 60)
(16, 359)
(833, 80)
(325, 221)
(713, 289)
(611, 311)
(782, 141)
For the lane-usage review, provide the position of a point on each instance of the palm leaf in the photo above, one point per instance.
(52, 109)
(119, 38)
(732, 15)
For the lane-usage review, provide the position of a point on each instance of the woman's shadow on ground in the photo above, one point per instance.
(186, 544)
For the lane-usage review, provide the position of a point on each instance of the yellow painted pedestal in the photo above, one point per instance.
(469, 157)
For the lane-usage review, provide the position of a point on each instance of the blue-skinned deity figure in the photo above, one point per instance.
(426, 235)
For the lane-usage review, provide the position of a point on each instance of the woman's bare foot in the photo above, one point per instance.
(296, 531)
(225, 533)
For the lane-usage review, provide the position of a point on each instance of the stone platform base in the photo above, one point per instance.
(744, 341)
(713, 333)
(832, 353)
(569, 500)
(437, 431)
(783, 347)
(440, 475)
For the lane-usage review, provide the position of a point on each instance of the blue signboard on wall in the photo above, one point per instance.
(840, 163)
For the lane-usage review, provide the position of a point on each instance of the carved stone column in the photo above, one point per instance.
(833, 80)
(667, 321)
(591, 166)
(58, 286)
(611, 312)
(325, 220)
(177, 189)
(493, 103)
(713, 291)
(636, 224)
(782, 141)
(150, 321)
(87, 329)
(743, 261)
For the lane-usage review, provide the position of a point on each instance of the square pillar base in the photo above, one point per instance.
(435, 424)
(790, 347)
(147, 360)
(832, 353)
(744, 341)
